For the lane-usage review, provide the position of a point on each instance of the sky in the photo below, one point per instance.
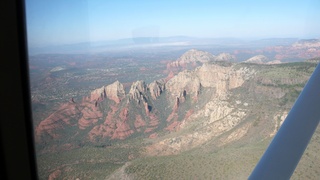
(55, 22)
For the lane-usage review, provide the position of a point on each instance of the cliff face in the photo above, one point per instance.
(114, 91)
(138, 91)
(221, 78)
(156, 88)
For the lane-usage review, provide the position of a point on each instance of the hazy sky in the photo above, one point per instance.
(52, 22)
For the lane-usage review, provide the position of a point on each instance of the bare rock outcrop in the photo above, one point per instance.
(156, 88)
(259, 59)
(225, 57)
(137, 91)
(185, 81)
(208, 75)
(220, 118)
(191, 57)
(97, 94)
(274, 62)
(114, 91)
(310, 43)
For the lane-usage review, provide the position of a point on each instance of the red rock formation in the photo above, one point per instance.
(188, 114)
(191, 57)
(146, 108)
(107, 128)
(114, 129)
(109, 119)
(96, 94)
(115, 91)
(153, 123)
(122, 131)
(137, 91)
(156, 88)
(176, 104)
(170, 75)
(55, 175)
(72, 100)
(139, 123)
(124, 114)
(172, 117)
(174, 126)
(90, 116)
(57, 121)
(153, 136)
(123, 117)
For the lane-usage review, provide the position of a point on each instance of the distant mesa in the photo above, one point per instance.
(274, 62)
(307, 43)
(261, 59)
(59, 68)
(194, 58)
(225, 57)
(194, 55)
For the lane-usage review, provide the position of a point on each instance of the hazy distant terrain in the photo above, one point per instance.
(184, 108)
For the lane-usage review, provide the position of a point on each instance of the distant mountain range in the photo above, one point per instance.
(157, 42)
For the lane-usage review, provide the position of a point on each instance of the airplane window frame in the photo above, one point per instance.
(17, 147)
